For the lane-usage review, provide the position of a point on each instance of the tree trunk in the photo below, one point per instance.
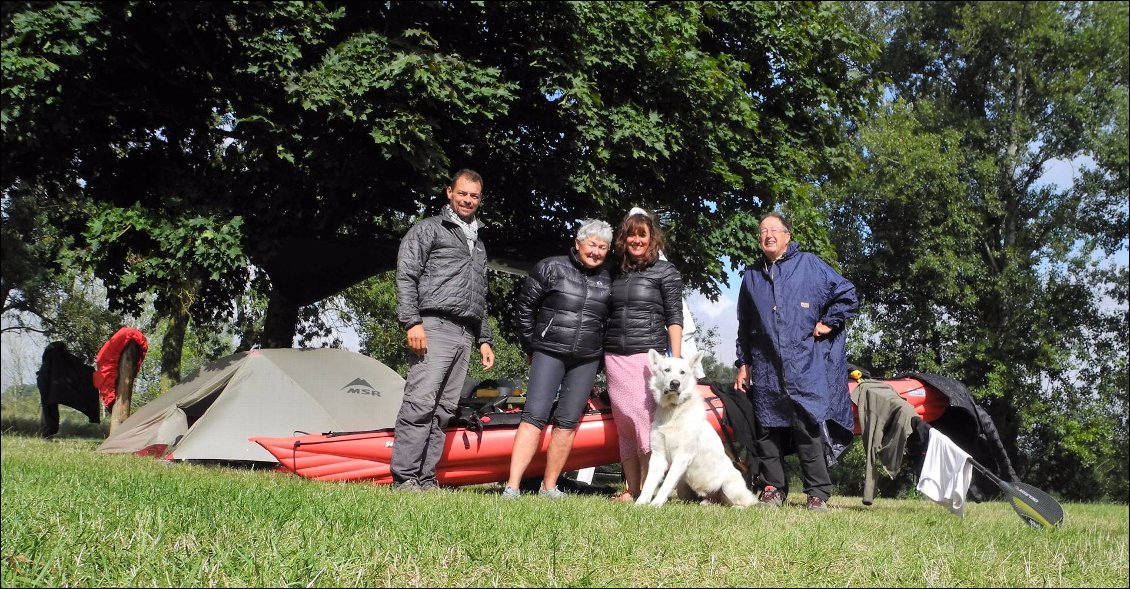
(250, 330)
(1007, 419)
(279, 325)
(123, 389)
(172, 347)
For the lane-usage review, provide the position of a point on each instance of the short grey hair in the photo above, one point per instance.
(595, 228)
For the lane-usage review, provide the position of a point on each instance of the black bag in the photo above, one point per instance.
(738, 424)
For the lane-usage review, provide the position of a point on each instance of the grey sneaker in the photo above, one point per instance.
(771, 497)
(410, 486)
(430, 485)
(511, 493)
(553, 493)
(817, 504)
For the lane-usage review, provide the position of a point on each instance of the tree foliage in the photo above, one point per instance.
(173, 148)
(330, 119)
(969, 261)
(44, 290)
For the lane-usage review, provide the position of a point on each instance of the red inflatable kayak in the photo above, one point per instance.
(927, 401)
(468, 457)
(483, 456)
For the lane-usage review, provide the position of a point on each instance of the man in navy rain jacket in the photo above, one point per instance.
(792, 309)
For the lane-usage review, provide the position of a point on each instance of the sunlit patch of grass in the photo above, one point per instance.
(74, 517)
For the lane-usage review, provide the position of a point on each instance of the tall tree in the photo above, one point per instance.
(338, 119)
(971, 263)
(44, 290)
(193, 266)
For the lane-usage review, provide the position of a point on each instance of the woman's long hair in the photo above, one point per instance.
(636, 225)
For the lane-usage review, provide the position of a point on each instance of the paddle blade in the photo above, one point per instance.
(1033, 505)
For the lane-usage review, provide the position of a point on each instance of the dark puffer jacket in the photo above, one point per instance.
(563, 307)
(436, 274)
(644, 303)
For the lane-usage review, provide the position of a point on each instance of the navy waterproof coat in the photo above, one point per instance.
(779, 305)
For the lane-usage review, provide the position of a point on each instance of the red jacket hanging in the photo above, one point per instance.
(106, 375)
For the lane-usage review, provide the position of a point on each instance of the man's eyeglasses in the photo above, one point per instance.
(596, 246)
(465, 194)
(774, 231)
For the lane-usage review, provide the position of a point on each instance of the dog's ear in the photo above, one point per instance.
(654, 357)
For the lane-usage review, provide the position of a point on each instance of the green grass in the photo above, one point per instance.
(22, 416)
(72, 517)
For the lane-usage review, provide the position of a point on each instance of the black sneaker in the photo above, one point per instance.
(817, 504)
(771, 497)
(410, 486)
(430, 485)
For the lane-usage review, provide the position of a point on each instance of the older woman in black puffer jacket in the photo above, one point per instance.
(561, 315)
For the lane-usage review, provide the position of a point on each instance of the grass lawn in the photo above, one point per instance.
(73, 517)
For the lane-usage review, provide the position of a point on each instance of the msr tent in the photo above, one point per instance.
(269, 392)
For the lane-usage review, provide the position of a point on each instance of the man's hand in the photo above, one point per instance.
(742, 378)
(488, 356)
(417, 339)
(821, 330)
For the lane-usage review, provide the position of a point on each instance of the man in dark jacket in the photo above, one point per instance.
(792, 310)
(441, 291)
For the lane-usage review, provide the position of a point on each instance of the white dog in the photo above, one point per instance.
(684, 446)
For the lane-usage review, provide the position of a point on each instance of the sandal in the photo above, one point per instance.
(624, 497)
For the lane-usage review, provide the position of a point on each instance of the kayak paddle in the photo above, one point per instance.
(1032, 505)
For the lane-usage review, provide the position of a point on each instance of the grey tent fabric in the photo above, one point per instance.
(270, 392)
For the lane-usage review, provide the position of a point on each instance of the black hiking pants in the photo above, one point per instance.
(773, 443)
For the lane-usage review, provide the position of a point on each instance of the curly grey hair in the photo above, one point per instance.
(595, 228)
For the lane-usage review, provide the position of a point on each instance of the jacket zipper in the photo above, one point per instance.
(581, 317)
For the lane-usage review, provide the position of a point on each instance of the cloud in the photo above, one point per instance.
(720, 315)
(707, 309)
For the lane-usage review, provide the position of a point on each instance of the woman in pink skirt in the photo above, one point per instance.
(646, 313)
